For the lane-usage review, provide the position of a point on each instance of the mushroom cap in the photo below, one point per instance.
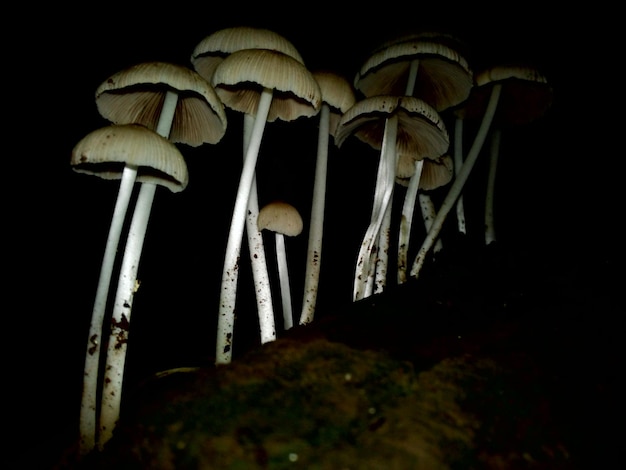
(240, 78)
(105, 151)
(421, 131)
(210, 52)
(435, 173)
(444, 78)
(280, 217)
(337, 93)
(136, 95)
(526, 95)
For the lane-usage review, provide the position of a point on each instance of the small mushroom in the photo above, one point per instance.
(284, 220)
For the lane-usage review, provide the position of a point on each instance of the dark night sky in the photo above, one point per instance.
(557, 178)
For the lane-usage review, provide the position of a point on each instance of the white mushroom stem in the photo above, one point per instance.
(458, 162)
(494, 153)
(382, 252)
(428, 214)
(256, 248)
(316, 227)
(283, 276)
(379, 244)
(228, 294)
(459, 181)
(127, 286)
(92, 356)
(406, 220)
(386, 175)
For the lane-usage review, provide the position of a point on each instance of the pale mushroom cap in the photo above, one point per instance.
(525, 96)
(280, 217)
(421, 131)
(444, 78)
(210, 52)
(337, 93)
(105, 151)
(240, 78)
(435, 173)
(136, 95)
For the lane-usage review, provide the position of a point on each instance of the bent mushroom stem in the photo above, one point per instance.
(406, 220)
(228, 294)
(457, 186)
(258, 261)
(458, 163)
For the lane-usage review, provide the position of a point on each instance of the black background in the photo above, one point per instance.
(558, 181)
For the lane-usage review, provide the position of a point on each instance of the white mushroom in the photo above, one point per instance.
(284, 220)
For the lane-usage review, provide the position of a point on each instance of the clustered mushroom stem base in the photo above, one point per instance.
(226, 314)
(382, 197)
(457, 186)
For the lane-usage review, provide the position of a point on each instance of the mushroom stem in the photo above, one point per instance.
(386, 177)
(316, 227)
(459, 181)
(283, 276)
(258, 260)
(494, 152)
(458, 162)
(428, 214)
(406, 220)
(127, 286)
(120, 322)
(228, 294)
(92, 357)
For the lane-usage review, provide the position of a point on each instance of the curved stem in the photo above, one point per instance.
(457, 186)
(230, 273)
(260, 274)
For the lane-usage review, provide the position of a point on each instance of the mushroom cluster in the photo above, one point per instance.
(400, 104)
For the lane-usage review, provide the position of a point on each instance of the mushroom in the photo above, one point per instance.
(495, 89)
(207, 55)
(395, 125)
(179, 105)
(526, 96)
(284, 220)
(435, 173)
(269, 85)
(337, 98)
(426, 65)
(114, 152)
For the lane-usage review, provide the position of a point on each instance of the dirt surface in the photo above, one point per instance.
(487, 361)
